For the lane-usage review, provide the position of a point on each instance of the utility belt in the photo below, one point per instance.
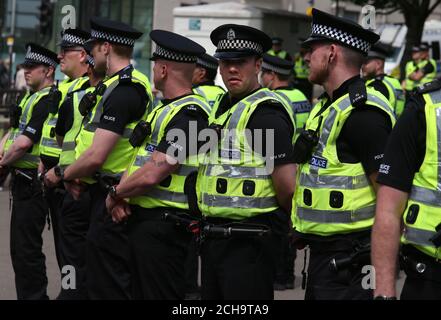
(105, 182)
(416, 263)
(207, 228)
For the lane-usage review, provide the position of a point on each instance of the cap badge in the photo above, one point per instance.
(29, 50)
(231, 35)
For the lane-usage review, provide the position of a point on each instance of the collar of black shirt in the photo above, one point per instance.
(227, 102)
(206, 83)
(284, 88)
(168, 101)
(343, 89)
(121, 71)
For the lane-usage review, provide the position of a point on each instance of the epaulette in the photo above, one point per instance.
(357, 93)
(428, 87)
(126, 76)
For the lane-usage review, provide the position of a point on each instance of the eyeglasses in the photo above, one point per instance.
(64, 51)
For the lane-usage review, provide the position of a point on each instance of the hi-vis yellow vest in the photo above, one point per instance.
(301, 69)
(423, 212)
(209, 93)
(233, 181)
(396, 94)
(332, 197)
(67, 156)
(411, 67)
(170, 192)
(300, 106)
(31, 158)
(281, 54)
(48, 142)
(121, 154)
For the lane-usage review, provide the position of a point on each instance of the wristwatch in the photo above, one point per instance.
(112, 192)
(59, 172)
(384, 298)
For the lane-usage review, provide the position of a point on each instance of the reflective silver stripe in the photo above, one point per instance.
(333, 182)
(237, 113)
(426, 196)
(200, 92)
(322, 216)
(382, 103)
(419, 236)
(239, 202)
(26, 109)
(30, 158)
(69, 145)
(287, 100)
(236, 172)
(438, 137)
(161, 117)
(127, 133)
(141, 160)
(398, 92)
(435, 96)
(51, 143)
(52, 121)
(166, 195)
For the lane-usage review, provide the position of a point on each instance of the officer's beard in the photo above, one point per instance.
(320, 74)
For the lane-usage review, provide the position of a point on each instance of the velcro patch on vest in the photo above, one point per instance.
(150, 147)
(230, 154)
(319, 162)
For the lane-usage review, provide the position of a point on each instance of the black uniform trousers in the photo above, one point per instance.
(74, 221)
(420, 286)
(158, 251)
(240, 267)
(192, 268)
(29, 212)
(107, 252)
(285, 261)
(323, 283)
(54, 198)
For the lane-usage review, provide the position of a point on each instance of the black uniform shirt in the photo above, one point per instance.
(268, 116)
(428, 68)
(126, 103)
(364, 134)
(405, 150)
(190, 115)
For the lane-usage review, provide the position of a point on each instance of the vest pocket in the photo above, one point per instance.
(307, 197)
(221, 185)
(248, 188)
(336, 199)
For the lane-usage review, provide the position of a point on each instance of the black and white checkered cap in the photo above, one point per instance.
(90, 60)
(332, 28)
(239, 44)
(166, 54)
(341, 36)
(174, 47)
(235, 41)
(113, 38)
(36, 54)
(73, 37)
(112, 31)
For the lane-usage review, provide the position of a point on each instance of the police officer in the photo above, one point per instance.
(301, 73)
(247, 180)
(73, 63)
(203, 79)
(103, 152)
(275, 76)
(29, 210)
(409, 193)
(421, 69)
(373, 72)
(277, 50)
(339, 153)
(157, 176)
(74, 215)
